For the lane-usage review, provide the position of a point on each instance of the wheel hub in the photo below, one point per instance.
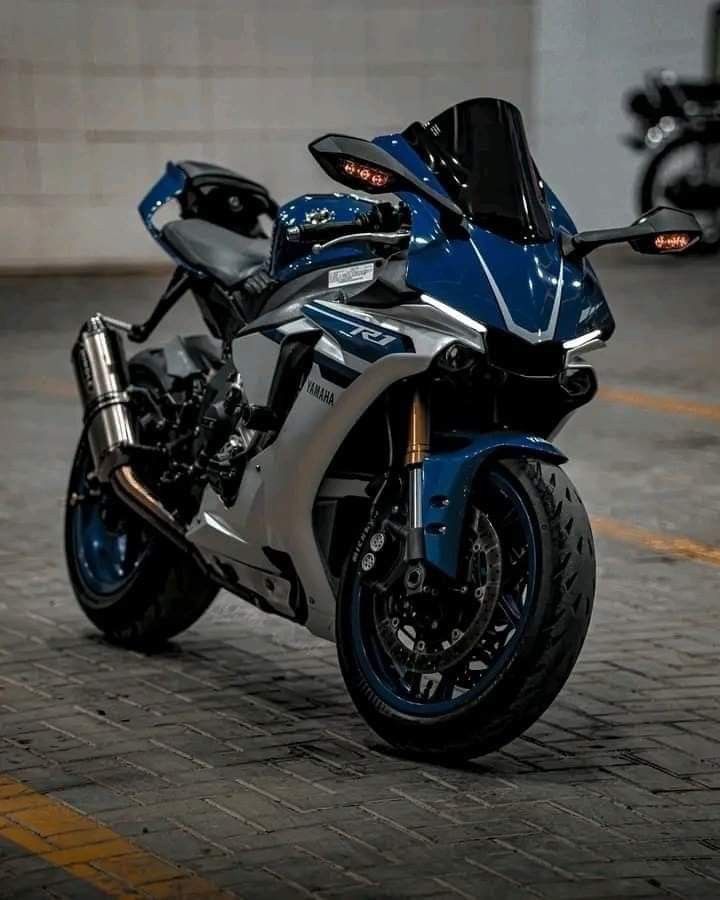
(426, 628)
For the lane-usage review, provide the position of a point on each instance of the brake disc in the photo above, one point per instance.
(435, 631)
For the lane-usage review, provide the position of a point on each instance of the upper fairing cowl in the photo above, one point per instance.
(522, 287)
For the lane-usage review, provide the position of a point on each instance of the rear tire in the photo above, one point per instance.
(132, 584)
(534, 668)
(650, 195)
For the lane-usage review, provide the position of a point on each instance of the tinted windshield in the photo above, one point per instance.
(478, 151)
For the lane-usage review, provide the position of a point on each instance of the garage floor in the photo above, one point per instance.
(233, 761)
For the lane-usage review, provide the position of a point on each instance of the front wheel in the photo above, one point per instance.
(460, 669)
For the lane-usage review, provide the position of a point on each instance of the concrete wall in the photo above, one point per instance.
(588, 52)
(97, 94)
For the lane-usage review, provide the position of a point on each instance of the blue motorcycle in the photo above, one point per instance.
(363, 441)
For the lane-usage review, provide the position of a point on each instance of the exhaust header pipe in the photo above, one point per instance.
(101, 371)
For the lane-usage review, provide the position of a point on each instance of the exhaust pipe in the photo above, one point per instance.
(101, 371)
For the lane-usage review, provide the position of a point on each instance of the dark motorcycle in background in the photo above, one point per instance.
(677, 127)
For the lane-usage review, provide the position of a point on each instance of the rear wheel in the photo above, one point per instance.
(686, 174)
(130, 582)
(459, 669)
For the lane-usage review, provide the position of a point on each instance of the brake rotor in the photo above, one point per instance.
(436, 630)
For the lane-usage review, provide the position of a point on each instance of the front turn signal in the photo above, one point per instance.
(673, 242)
(376, 178)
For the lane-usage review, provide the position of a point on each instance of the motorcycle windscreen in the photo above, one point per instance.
(478, 152)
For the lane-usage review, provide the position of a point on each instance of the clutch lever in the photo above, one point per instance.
(370, 237)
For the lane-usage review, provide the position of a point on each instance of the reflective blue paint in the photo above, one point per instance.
(366, 341)
(583, 307)
(168, 187)
(397, 146)
(509, 286)
(450, 476)
(107, 559)
(290, 259)
(446, 266)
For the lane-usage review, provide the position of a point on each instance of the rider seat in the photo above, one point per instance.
(225, 256)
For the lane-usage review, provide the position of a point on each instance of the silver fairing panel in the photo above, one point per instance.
(281, 483)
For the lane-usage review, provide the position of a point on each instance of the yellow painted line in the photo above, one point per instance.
(41, 826)
(659, 403)
(665, 544)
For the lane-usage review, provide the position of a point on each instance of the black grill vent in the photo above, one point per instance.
(513, 354)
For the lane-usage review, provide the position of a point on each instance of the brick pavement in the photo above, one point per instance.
(236, 754)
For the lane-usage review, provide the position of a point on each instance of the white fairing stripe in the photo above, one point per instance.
(453, 313)
(510, 324)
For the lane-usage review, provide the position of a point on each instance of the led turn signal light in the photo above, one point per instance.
(375, 177)
(672, 242)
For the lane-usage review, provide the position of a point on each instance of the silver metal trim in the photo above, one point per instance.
(415, 497)
(576, 348)
(117, 323)
(371, 237)
(576, 343)
(455, 314)
(138, 497)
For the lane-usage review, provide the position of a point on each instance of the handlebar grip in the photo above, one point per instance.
(323, 230)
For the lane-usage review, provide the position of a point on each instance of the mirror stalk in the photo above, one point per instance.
(661, 230)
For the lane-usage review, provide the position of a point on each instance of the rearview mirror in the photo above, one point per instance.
(361, 164)
(661, 230)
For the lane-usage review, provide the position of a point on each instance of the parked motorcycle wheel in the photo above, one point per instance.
(463, 673)
(133, 585)
(680, 155)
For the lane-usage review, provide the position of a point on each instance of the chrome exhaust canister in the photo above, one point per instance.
(102, 376)
(101, 372)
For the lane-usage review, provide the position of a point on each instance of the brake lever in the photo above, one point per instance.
(370, 237)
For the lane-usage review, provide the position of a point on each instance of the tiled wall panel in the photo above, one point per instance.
(588, 53)
(97, 94)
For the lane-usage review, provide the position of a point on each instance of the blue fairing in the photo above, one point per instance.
(528, 289)
(289, 260)
(169, 187)
(448, 478)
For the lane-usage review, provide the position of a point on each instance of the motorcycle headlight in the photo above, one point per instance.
(457, 357)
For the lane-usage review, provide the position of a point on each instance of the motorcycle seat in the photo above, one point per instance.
(221, 254)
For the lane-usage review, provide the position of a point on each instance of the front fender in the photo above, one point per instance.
(448, 478)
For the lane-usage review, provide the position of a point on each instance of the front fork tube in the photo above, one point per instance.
(418, 447)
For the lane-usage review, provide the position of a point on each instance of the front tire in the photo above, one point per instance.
(497, 700)
(132, 584)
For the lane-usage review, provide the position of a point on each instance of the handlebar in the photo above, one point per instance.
(384, 217)
(310, 232)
